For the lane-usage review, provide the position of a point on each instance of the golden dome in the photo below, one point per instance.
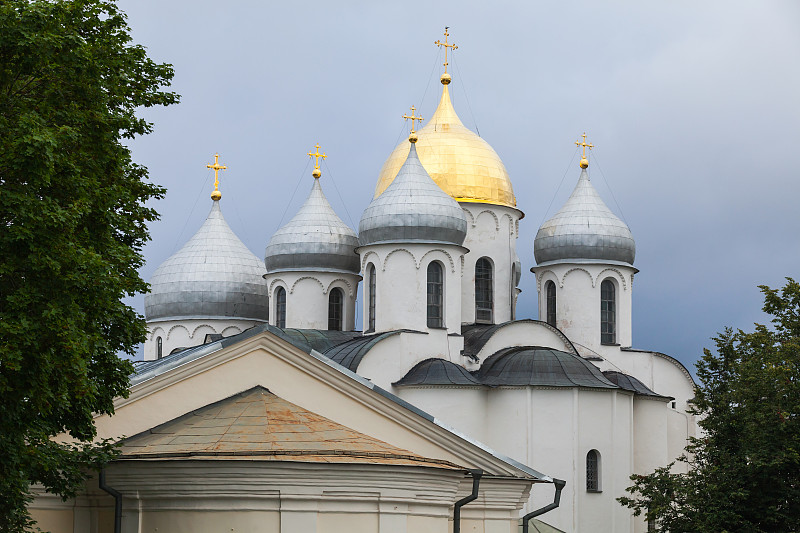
(459, 161)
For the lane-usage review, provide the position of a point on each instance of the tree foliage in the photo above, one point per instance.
(744, 470)
(73, 220)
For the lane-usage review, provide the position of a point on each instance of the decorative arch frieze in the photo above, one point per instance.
(365, 257)
(511, 226)
(621, 277)
(176, 326)
(273, 283)
(396, 250)
(231, 330)
(471, 217)
(541, 276)
(349, 286)
(209, 326)
(567, 273)
(298, 280)
(158, 330)
(449, 258)
(496, 220)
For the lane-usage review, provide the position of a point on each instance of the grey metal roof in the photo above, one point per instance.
(477, 335)
(413, 209)
(314, 239)
(213, 275)
(349, 354)
(536, 365)
(584, 228)
(437, 371)
(630, 383)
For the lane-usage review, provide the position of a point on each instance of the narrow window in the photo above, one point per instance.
(513, 286)
(484, 297)
(550, 288)
(280, 307)
(372, 285)
(651, 526)
(335, 304)
(159, 348)
(608, 312)
(435, 293)
(593, 471)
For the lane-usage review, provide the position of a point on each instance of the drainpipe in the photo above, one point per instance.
(117, 501)
(556, 500)
(476, 481)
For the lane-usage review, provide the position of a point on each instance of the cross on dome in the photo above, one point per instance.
(216, 167)
(446, 77)
(584, 162)
(413, 137)
(316, 155)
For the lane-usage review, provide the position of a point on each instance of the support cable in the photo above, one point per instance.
(571, 159)
(308, 162)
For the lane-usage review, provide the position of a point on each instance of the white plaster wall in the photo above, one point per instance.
(523, 334)
(578, 300)
(189, 332)
(307, 298)
(492, 232)
(402, 281)
(464, 408)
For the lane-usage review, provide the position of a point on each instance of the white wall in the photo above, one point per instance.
(307, 296)
(189, 332)
(492, 232)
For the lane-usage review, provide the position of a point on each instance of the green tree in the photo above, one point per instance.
(73, 221)
(744, 470)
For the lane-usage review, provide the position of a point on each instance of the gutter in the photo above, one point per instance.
(117, 501)
(476, 481)
(556, 500)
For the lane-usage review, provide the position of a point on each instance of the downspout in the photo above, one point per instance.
(117, 501)
(556, 500)
(476, 481)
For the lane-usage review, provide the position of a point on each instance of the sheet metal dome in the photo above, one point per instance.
(314, 239)
(458, 160)
(584, 228)
(535, 365)
(213, 275)
(413, 208)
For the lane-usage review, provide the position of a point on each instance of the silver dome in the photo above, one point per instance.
(314, 239)
(584, 228)
(413, 208)
(213, 275)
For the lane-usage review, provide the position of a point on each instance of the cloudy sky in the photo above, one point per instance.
(692, 107)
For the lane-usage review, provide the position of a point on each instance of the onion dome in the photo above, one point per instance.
(413, 209)
(314, 239)
(214, 275)
(537, 366)
(458, 160)
(584, 228)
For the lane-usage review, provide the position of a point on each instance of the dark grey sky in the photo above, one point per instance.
(692, 106)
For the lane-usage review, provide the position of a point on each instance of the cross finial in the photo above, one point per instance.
(413, 136)
(216, 167)
(584, 144)
(316, 155)
(446, 46)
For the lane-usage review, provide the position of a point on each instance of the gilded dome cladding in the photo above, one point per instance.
(213, 275)
(584, 228)
(413, 209)
(458, 160)
(314, 239)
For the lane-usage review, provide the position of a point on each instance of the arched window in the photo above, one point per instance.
(550, 289)
(593, 471)
(280, 307)
(335, 306)
(608, 312)
(372, 286)
(435, 295)
(484, 295)
(159, 348)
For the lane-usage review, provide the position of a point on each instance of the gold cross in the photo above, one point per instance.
(584, 162)
(413, 118)
(316, 155)
(216, 167)
(446, 46)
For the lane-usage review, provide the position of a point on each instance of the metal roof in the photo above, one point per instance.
(213, 275)
(314, 239)
(477, 335)
(584, 228)
(413, 209)
(256, 424)
(630, 383)
(436, 371)
(349, 354)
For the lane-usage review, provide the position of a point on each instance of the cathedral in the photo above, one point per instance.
(260, 407)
